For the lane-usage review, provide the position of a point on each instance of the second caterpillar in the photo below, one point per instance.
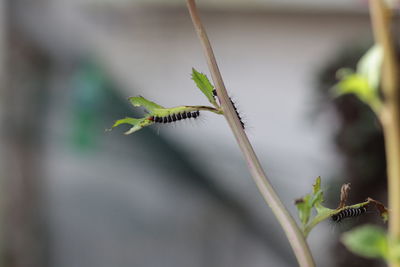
(175, 117)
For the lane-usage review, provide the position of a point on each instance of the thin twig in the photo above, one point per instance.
(287, 222)
(390, 115)
(206, 108)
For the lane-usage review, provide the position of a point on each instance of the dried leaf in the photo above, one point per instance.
(383, 211)
(344, 193)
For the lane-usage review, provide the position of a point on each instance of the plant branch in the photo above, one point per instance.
(287, 222)
(329, 212)
(206, 108)
(390, 115)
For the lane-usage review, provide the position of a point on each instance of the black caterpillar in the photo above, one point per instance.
(350, 212)
(234, 107)
(175, 117)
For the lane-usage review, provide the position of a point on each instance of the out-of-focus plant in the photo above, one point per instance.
(376, 83)
(364, 82)
(312, 204)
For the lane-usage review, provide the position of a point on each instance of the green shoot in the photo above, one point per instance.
(155, 110)
(314, 200)
(364, 83)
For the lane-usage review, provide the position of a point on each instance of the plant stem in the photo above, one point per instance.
(390, 115)
(292, 231)
(206, 108)
(328, 213)
(319, 218)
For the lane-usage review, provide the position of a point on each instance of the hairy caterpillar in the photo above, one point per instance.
(234, 107)
(349, 212)
(175, 117)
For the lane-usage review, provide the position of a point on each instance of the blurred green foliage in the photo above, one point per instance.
(368, 241)
(364, 83)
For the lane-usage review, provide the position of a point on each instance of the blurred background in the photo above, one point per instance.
(73, 195)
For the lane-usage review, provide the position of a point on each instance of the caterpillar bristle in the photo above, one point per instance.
(350, 212)
(176, 117)
(237, 113)
(234, 107)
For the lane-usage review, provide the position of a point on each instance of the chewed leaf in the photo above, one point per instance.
(304, 209)
(162, 112)
(139, 101)
(383, 211)
(385, 216)
(318, 195)
(137, 124)
(204, 85)
(126, 120)
(317, 185)
(367, 241)
(159, 114)
(310, 201)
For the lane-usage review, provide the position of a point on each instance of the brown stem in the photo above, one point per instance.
(287, 222)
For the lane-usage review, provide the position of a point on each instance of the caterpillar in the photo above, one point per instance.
(234, 107)
(175, 117)
(349, 212)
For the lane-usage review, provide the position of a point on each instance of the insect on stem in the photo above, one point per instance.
(291, 229)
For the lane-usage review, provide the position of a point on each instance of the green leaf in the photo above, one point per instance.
(385, 216)
(137, 124)
(126, 120)
(304, 209)
(355, 84)
(204, 85)
(138, 101)
(310, 201)
(370, 66)
(365, 82)
(318, 196)
(154, 110)
(358, 85)
(317, 185)
(162, 112)
(368, 241)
